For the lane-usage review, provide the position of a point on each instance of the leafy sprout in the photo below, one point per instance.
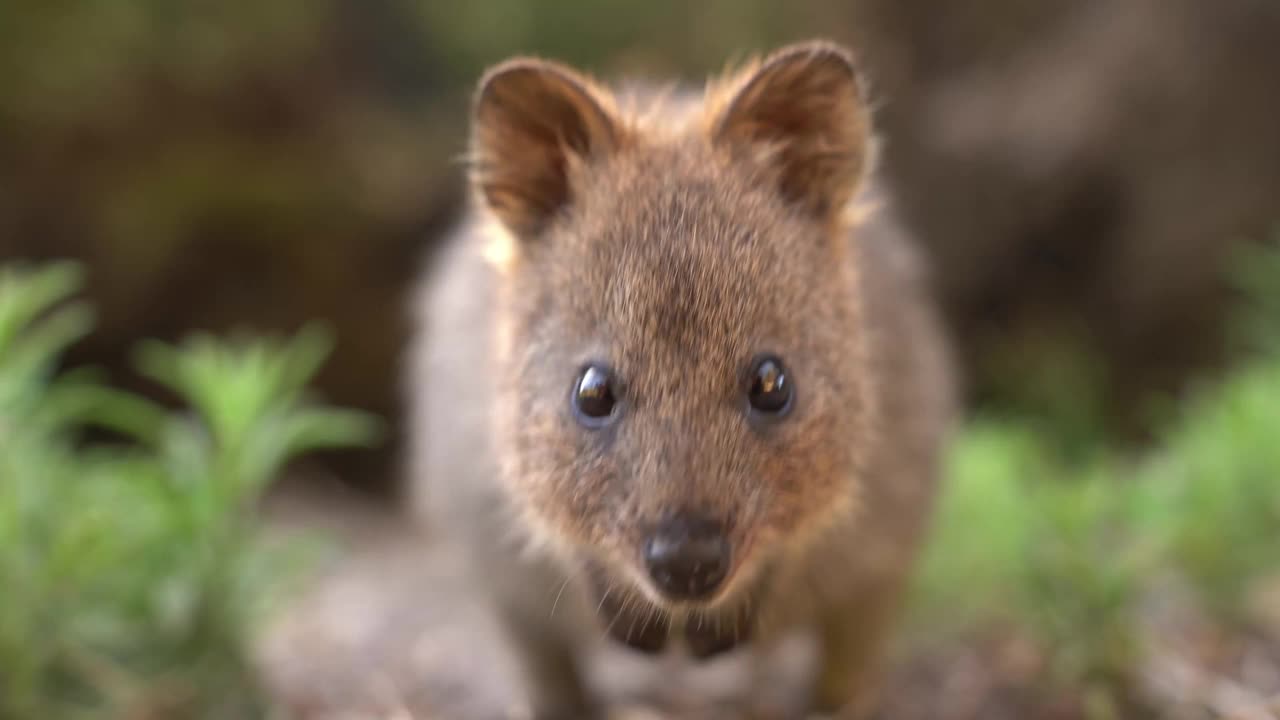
(134, 573)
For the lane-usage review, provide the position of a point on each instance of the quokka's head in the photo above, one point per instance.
(683, 386)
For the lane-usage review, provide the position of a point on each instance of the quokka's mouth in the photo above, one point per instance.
(630, 618)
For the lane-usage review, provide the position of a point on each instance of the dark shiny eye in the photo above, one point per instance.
(593, 395)
(771, 389)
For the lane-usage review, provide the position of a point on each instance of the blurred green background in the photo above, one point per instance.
(1077, 168)
(1092, 179)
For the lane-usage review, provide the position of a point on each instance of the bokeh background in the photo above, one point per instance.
(1081, 172)
(1075, 167)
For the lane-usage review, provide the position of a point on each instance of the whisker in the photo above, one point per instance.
(622, 610)
(603, 599)
(649, 614)
(568, 578)
(614, 619)
(631, 626)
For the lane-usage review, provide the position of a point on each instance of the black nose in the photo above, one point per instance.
(688, 557)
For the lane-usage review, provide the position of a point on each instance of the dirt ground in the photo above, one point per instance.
(389, 629)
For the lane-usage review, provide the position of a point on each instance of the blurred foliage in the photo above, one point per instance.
(132, 573)
(1257, 277)
(224, 165)
(227, 164)
(218, 164)
(1065, 540)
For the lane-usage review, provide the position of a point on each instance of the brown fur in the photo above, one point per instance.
(675, 237)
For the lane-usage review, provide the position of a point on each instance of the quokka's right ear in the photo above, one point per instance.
(534, 123)
(802, 112)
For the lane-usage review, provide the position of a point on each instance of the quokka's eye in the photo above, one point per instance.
(594, 397)
(771, 389)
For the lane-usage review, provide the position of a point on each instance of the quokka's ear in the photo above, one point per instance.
(801, 112)
(533, 121)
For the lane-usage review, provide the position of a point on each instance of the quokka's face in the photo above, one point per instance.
(680, 350)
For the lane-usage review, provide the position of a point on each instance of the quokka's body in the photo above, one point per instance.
(677, 379)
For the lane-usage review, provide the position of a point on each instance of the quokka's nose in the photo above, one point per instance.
(688, 557)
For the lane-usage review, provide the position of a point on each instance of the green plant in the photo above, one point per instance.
(1026, 537)
(1213, 498)
(132, 573)
(1062, 539)
(1256, 277)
